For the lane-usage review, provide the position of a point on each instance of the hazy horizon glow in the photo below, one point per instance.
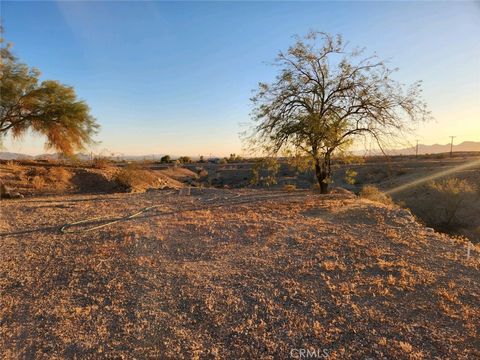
(176, 77)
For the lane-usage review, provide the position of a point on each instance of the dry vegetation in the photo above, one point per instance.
(449, 204)
(232, 274)
(447, 198)
(372, 177)
(99, 176)
(373, 193)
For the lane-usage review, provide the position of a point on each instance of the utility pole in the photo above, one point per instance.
(416, 150)
(451, 145)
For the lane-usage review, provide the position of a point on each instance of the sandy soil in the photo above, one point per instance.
(232, 274)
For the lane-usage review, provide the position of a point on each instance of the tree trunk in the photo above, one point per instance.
(321, 175)
(323, 188)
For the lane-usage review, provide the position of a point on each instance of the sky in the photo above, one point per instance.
(177, 77)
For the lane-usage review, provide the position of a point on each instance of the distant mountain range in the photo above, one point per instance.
(80, 156)
(438, 148)
(422, 149)
(17, 156)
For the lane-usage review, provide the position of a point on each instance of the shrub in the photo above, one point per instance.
(133, 176)
(184, 159)
(165, 159)
(264, 172)
(128, 177)
(447, 198)
(371, 192)
(13, 166)
(350, 176)
(36, 171)
(58, 174)
(101, 162)
(38, 182)
(233, 158)
(201, 172)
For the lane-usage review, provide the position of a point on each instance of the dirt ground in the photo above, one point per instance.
(231, 274)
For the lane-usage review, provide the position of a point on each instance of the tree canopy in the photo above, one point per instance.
(47, 108)
(326, 94)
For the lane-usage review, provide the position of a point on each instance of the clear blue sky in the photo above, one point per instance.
(176, 77)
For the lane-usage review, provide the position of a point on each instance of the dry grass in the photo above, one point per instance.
(13, 166)
(37, 182)
(371, 192)
(289, 187)
(101, 163)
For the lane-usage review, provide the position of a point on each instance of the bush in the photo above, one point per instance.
(371, 192)
(350, 176)
(133, 176)
(165, 159)
(13, 166)
(233, 158)
(184, 159)
(201, 172)
(289, 187)
(264, 172)
(58, 174)
(36, 171)
(101, 162)
(38, 182)
(447, 198)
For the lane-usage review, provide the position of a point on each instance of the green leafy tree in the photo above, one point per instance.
(326, 95)
(46, 108)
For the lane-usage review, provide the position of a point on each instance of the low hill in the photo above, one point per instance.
(466, 146)
(239, 274)
(34, 178)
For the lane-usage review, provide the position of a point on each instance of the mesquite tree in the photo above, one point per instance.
(47, 108)
(324, 96)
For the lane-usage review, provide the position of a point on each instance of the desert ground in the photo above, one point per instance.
(178, 272)
(399, 174)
